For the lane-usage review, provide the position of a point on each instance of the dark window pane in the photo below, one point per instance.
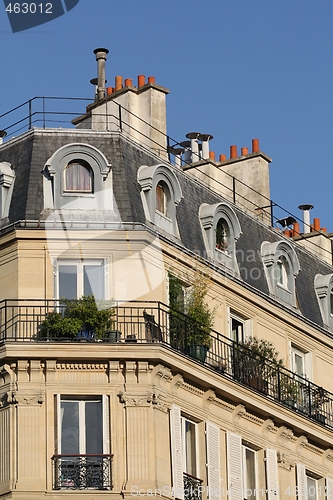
(94, 427)
(93, 282)
(69, 415)
(68, 282)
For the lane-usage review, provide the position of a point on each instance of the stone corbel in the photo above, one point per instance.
(25, 399)
(284, 461)
(161, 402)
(208, 397)
(176, 383)
(135, 400)
(328, 456)
(238, 413)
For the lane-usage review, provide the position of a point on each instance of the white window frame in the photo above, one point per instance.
(80, 263)
(307, 360)
(246, 324)
(149, 178)
(7, 178)
(209, 216)
(324, 290)
(245, 477)
(303, 488)
(277, 255)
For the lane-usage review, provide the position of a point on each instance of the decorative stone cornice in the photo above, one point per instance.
(161, 402)
(82, 366)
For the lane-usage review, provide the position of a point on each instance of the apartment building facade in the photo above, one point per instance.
(111, 209)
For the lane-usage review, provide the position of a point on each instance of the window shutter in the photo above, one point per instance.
(234, 456)
(301, 483)
(106, 423)
(213, 460)
(176, 452)
(329, 488)
(272, 475)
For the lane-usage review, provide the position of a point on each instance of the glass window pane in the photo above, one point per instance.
(94, 427)
(190, 448)
(93, 280)
(70, 428)
(312, 488)
(250, 474)
(299, 364)
(68, 282)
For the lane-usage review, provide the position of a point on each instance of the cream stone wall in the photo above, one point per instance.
(141, 394)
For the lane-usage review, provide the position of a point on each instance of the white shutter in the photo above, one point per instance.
(213, 460)
(272, 475)
(106, 424)
(176, 452)
(301, 483)
(329, 488)
(234, 455)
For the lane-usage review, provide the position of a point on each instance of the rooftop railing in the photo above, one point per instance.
(135, 323)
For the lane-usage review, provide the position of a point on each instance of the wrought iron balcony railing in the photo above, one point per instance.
(192, 487)
(153, 322)
(78, 472)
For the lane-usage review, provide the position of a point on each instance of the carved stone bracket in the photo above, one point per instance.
(25, 399)
(129, 400)
(161, 402)
(284, 461)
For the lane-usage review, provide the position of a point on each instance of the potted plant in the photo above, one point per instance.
(200, 320)
(318, 399)
(256, 363)
(55, 326)
(82, 318)
(97, 318)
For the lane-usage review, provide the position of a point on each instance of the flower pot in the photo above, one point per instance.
(198, 352)
(113, 336)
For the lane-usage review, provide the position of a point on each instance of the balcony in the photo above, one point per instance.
(78, 472)
(135, 323)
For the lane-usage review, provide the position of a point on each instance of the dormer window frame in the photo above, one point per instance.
(323, 284)
(281, 266)
(149, 179)
(58, 196)
(210, 217)
(7, 179)
(73, 189)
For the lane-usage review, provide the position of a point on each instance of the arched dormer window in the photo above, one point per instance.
(281, 266)
(221, 229)
(324, 290)
(78, 177)
(160, 194)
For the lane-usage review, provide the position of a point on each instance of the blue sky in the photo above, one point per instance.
(235, 69)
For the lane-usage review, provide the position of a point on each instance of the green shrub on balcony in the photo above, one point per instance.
(77, 315)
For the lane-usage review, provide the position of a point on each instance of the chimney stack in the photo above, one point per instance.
(101, 58)
(306, 217)
(205, 138)
(3, 134)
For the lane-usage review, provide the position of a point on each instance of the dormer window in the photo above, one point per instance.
(78, 177)
(220, 229)
(323, 284)
(160, 194)
(281, 266)
(222, 235)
